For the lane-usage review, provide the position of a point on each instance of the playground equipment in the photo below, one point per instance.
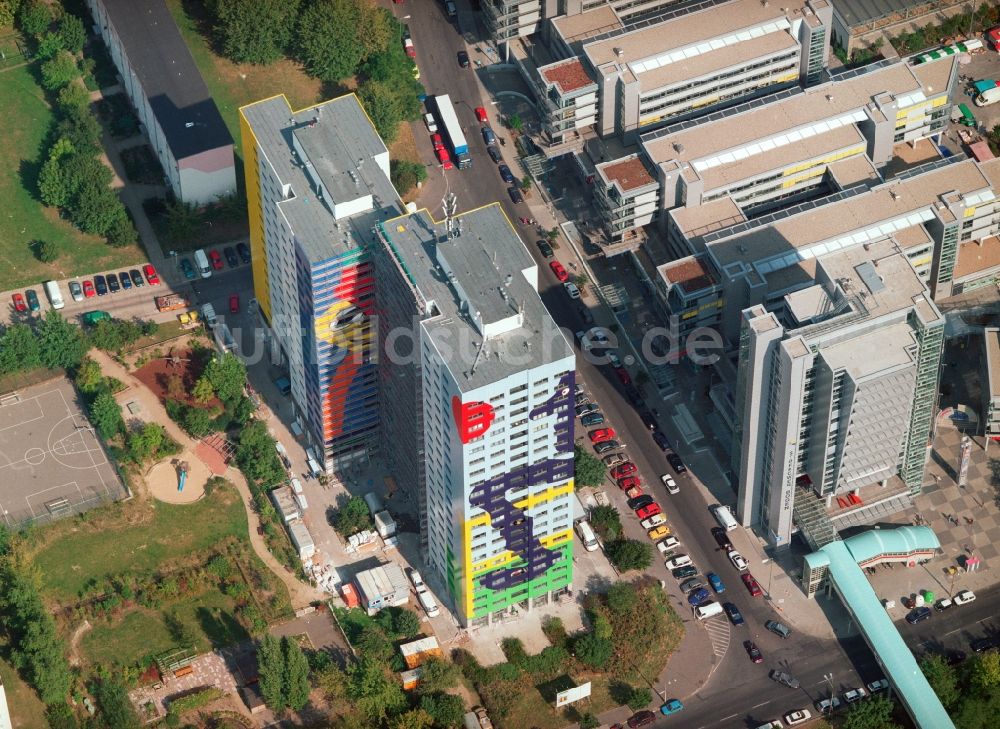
(183, 476)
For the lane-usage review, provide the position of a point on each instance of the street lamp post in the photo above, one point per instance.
(828, 677)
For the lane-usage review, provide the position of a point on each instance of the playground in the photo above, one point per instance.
(173, 376)
(51, 462)
(164, 479)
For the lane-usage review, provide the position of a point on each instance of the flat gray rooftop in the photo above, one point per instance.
(485, 269)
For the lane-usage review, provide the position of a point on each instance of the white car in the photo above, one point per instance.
(572, 290)
(415, 578)
(794, 718)
(654, 521)
(964, 597)
(828, 706)
(668, 481)
(855, 695)
(431, 123)
(881, 685)
(665, 545)
(591, 338)
(739, 562)
(681, 560)
(76, 291)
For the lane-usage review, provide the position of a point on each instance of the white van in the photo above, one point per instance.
(428, 602)
(707, 610)
(201, 260)
(54, 294)
(587, 536)
(724, 517)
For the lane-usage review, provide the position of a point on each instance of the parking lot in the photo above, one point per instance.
(985, 65)
(50, 459)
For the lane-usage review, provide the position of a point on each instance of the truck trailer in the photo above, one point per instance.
(453, 131)
(170, 302)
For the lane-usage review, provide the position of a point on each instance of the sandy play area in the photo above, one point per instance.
(163, 478)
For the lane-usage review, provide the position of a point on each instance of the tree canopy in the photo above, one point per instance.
(352, 517)
(255, 31)
(629, 554)
(589, 469)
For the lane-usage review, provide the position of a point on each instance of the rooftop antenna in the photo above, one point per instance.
(449, 203)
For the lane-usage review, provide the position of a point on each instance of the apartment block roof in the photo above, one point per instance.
(690, 274)
(893, 206)
(760, 127)
(977, 256)
(579, 27)
(337, 141)
(177, 94)
(629, 173)
(569, 75)
(992, 337)
(700, 220)
(484, 278)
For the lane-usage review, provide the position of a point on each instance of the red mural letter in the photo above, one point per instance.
(472, 419)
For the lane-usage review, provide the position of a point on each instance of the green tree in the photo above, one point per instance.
(984, 671)
(375, 691)
(406, 175)
(874, 713)
(72, 32)
(352, 517)
(243, 411)
(74, 99)
(446, 709)
(181, 219)
(329, 39)
(84, 132)
(589, 721)
(602, 626)
(255, 31)
(271, 670)
(145, 442)
(203, 390)
(89, 376)
(19, 349)
(383, 108)
(228, 376)
(413, 719)
(61, 343)
(589, 469)
(295, 674)
(439, 676)
(45, 251)
(82, 169)
(116, 710)
(606, 521)
(256, 456)
(8, 11)
(197, 422)
(379, 30)
(121, 232)
(48, 46)
(941, 677)
(106, 415)
(515, 122)
(34, 18)
(56, 184)
(95, 208)
(639, 697)
(59, 71)
(592, 651)
(629, 554)
(526, 182)
(621, 598)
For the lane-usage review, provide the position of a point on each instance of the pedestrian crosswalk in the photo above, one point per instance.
(718, 633)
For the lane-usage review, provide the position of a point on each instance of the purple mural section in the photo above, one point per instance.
(514, 524)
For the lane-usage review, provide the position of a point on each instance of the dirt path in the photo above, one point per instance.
(74, 642)
(299, 593)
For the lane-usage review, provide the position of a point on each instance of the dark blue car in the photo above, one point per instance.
(698, 597)
(733, 613)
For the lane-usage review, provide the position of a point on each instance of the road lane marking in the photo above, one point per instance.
(760, 705)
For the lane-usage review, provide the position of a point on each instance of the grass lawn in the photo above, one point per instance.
(206, 618)
(137, 536)
(26, 711)
(24, 219)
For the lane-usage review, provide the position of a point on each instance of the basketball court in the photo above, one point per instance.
(51, 462)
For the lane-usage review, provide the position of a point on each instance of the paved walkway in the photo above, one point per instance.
(300, 593)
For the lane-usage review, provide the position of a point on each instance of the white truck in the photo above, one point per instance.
(208, 314)
(990, 96)
(428, 602)
(385, 525)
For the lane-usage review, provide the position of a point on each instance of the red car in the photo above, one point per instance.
(151, 277)
(623, 375)
(629, 482)
(559, 271)
(753, 651)
(753, 587)
(633, 491)
(88, 289)
(623, 470)
(444, 158)
(234, 304)
(647, 511)
(602, 434)
(481, 115)
(19, 305)
(217, 263)
(408, 47)
(437, 142)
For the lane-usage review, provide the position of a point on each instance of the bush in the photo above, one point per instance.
(629, 554)
(34, 18)
(352, 517)
(592, 651)
(195, 701)
(606, 522)
(589, 469)
(406, 175)
(621, 597)
(45, 250)
(59, 71)
(72, 33)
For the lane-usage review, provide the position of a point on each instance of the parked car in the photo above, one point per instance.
(640, 719)
(481, 115)
(607, 446)
(799, 716)
(113, 285)
(880, 685)
(216, 260)
(671, 707)
(739, 562)
(716, 582)
(854, 695)
(827, 706)
(733, 613)
(697, 597)
(559, 270)
(591, 419)
(628, 482)
(18, 301)
(614, 459)
(572, 290)
(964, 597)
(944, 604)
(243, 251)
(230, 255)
(601, 435)
(463, 59)
(779, 629)
(125, 281)
(415, 577)
(489, 137)
(721, 538)
(632, 491)
(918, 614)
(661, 440)
(681, 560)
(136, 276)
(76, 290)
(623, 469)
(101, 284)
(752, 585)
(152, 278)
(654, 521)
(444, 158)
(88, 289)
(753, 651)
(670, 484)
(981, 645)
(694, 583)
(494, 153)
(234, 303)
(515, 195)
(640, 501)
(658, 533)
(187, 269)
(545, 248)
(784, 679)
(586, 408)
(681, 572)
(667, 545)
(676, 463)
(505, 174)
(645, 512)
